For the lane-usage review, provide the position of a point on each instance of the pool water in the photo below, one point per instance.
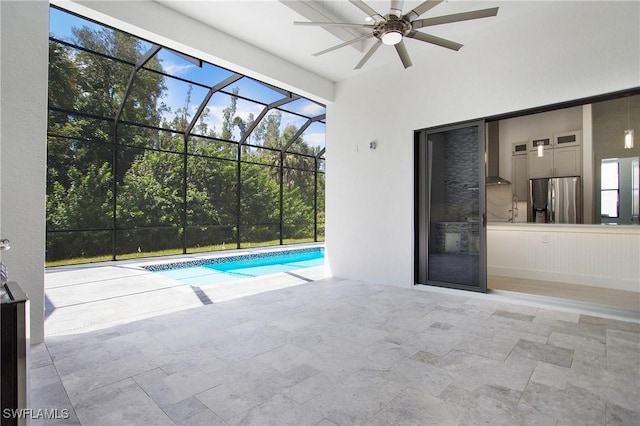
(237, 269)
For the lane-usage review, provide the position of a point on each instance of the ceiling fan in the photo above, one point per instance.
(392, 28)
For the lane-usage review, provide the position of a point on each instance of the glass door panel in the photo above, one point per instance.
(451, 233)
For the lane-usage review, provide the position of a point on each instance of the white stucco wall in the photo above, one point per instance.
(24, 32)
(534, 60)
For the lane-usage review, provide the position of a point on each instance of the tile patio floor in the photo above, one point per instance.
(325, 352)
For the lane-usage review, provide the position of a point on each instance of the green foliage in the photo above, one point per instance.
(259, 212)
(267, 133)
(211, 192)
(63, 75)
(151, 192)
(86, 204)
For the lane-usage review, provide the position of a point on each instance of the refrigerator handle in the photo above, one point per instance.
(551, 201)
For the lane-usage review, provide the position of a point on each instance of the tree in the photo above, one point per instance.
(211, 201)
(259, 204)
(151, 192)
(86, 204)
(103, 84)
(63, 92)
(267, 133)
(231, 120)
(63, 77)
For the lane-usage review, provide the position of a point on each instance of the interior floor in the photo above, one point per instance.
(610, 297)
(334, 352)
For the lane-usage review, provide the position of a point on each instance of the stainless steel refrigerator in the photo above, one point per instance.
(555, 200)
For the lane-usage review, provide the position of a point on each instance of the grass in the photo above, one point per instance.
(170, 252)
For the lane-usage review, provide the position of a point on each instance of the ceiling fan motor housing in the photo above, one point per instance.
(392, 24)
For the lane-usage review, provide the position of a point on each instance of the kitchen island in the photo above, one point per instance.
(589, 257)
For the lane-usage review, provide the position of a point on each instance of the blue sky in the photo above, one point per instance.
(60, 25)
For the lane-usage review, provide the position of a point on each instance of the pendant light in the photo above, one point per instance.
(628, 134)
(540, 142)
(628, 139)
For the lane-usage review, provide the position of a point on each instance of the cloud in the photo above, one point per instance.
(246, 108)
(312, 109)
(214, 118)
(216, 112)
(215, 115)
(315, 139)
(176, 69)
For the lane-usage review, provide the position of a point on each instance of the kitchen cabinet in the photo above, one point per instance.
(540, 167)
(519, 171)
(567, 161)
(567, 153)
(567, 139)
(562, 156)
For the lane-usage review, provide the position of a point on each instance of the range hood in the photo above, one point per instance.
(493, 155)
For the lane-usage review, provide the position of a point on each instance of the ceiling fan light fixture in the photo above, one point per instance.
(392, 37)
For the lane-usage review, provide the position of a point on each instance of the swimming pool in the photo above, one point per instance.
(204, 272)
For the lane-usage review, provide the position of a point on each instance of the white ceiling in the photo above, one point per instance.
(268, 24)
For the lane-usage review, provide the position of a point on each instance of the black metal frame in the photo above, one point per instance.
(116, 145)
(422, 206)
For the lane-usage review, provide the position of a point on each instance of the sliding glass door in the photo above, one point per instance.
(450, 206)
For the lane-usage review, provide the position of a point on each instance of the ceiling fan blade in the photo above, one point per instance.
(404, 55)
(456, 17)
(367, 55)
(333, 24)
(396, 7)
(428, 38)
(366, 9)
(421, 9)
(346, 43)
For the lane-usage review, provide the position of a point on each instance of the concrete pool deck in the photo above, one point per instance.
(89, 297)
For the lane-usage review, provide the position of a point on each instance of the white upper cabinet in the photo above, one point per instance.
(567, 139)
(567, 161)
(519, 177)
(562, 156)
(540, 165)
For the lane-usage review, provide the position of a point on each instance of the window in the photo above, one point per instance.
(610, 189)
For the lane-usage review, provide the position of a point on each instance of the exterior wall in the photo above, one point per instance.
(535, 59)
(23, 133)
